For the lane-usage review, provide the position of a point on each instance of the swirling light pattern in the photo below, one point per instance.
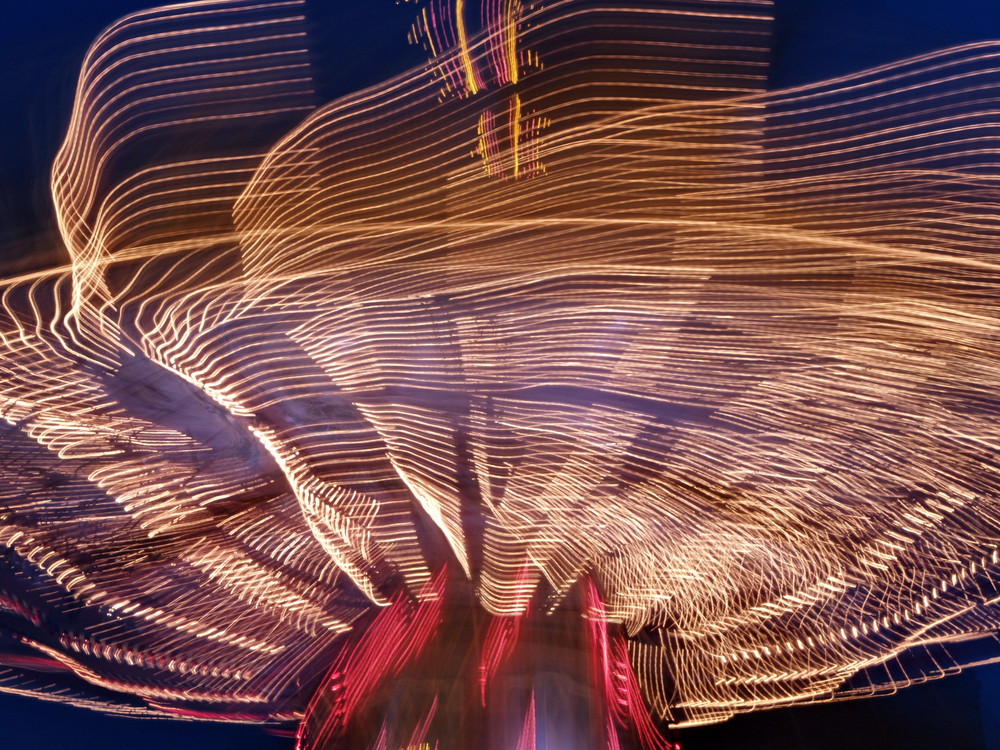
(571, 380)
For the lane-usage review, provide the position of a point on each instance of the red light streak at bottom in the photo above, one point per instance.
(437, 673)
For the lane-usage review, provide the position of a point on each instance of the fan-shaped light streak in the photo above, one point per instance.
(573, 364)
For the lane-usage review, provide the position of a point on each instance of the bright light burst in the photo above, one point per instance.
(573, 375)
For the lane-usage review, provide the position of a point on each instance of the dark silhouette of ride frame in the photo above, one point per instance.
(567, 389)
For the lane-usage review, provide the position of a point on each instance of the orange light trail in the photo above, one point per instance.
(576, 324)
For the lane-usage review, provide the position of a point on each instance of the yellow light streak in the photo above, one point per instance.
(471, 84)
(730, 354)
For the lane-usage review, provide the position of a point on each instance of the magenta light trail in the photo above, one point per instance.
(566, 390)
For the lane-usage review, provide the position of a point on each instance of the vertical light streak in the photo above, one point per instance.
(471, 82)
(500, 639)
(397, 635)
(515, 133)
(511, 13)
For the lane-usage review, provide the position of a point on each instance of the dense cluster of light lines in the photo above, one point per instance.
(579, 310)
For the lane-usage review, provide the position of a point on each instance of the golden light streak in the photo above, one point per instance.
(471, 84)
(511, 11)
(515, 134)
(728, 354)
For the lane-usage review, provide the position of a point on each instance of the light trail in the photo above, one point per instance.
(575, 348)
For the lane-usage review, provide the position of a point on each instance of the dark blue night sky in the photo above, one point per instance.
(359, 42)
